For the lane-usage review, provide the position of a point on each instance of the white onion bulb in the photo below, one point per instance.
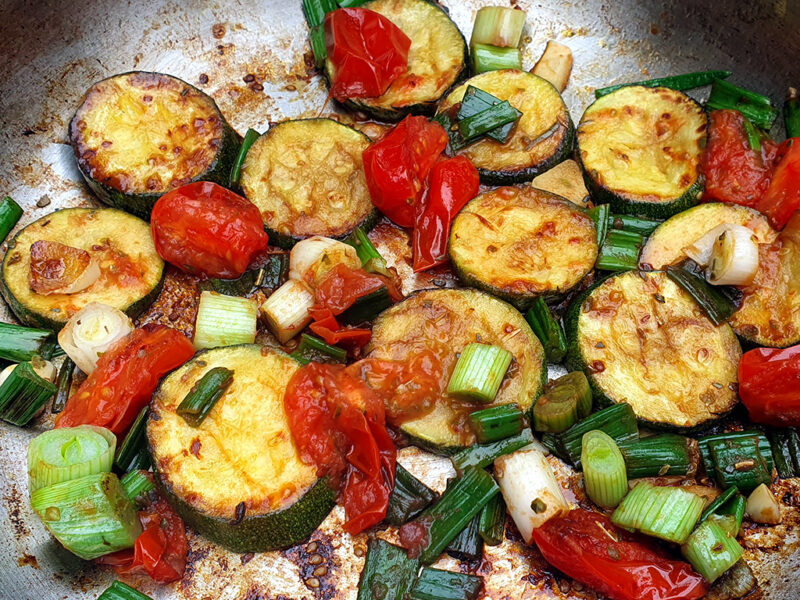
(91, 331)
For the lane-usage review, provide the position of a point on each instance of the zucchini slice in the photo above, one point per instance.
(237, 478)
(307, 178)
(519, 243)
(130, 269)
(541, 139)
(436, 60)
(139, 135)
(665, 244)
(770, 310)
(640, 150)
(641, 339)
(444, 321)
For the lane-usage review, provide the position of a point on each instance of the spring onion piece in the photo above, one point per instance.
(686, 81)
(736, 508)
(315, 10)
(603, 470)
(669, 513)
(492, 521)
(69, 453)
(479, 372)
(738, 462)
(366, 308)
(497, 422)
(92, 331)
(555, 65)
(734, 257)
(122, 591)
(717, 305)
(618, 421)
(90, 516)
(656, 456)
(224, 321)
(458, 506)
(711, 550)
(638, 225)
(492, 58)
(137, 484)
(249, 137)
(620, 251)
(467, 545)
(313, 349)
(548, 330)
(762, 507)
(435, 584)
(286, 310)
(63, 385)
(565, 401)
(19, 344)
(482, 455)
(312, 258)
(487, 120)
(409, 497)
(761, 441)
(388, 572)
(23, 394)
(530, 489)
(791, 113)
(205, 393)
(719, 502)
(10, 213)
(132, 453)
(757, 108)
(371, 259)
(498, 26)
(753, 136)
(785, 444)
(475, 100)
(600, 214)
(275, 271)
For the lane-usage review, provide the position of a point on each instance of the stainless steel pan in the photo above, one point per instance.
(252, 57)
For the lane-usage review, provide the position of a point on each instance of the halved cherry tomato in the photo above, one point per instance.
(159, 551)
(328, 328)
(782, 197)
(367, 51)
(125, 378)
(589, 548)
(734, 172)
(342, 286)
(769, 385)
(453, 183)
(338, 424)
(204, 229)
(398, 165)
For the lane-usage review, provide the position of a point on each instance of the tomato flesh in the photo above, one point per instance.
(339, 425)
(769, 385)
(589, 548)
(125, 378)
(204, 229)
(782, 197)
(398, 165)
(453, 183)
(367, 51)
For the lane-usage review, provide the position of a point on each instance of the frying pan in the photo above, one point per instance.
(252, 58)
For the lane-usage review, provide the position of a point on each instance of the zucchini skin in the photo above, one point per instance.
(140, 204)
(662, 210)
(287, 242)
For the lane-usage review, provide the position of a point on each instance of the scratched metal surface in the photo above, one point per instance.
(251, 57)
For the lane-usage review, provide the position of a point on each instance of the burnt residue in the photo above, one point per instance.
(28, 560)
(176, 306)
(15, 503)
(316, 561)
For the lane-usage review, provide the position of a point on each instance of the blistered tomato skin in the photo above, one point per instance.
(769, 385)
(782, 197)
(204, 229)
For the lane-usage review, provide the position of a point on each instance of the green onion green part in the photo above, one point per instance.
(317, 38)
(479, 372)
(475, 100)
(409, 497)
(753, 135)
(133, 444)
(315, 10)
(435, 584)
(63, 385)
(686, 81)
(10, 214)
(367, 307)
(493, 58)
(548, 330)
(785, 445)
(90, 516)
(122, 591)
(656, 456)
(738, 462)
(487, 120)
(669, 513)
(136, 485)
(276, 271)
(249, 137)
(371, 259)
(711, 550)
(791, 113)
(565, 401)
(388, 572)
(600, 214)
(720, 500)
(468, 545)
(757, 108)
(205, 393)
(620, 251)
(497, 422)
(23, 394)
(482, 455)
(715, 303)
(492, 523)
(603, 470)
(18, 343)
(313, 349)
(640, 225)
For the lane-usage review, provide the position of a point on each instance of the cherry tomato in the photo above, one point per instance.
(769, 385)
(782, 197)
(160, 550)
(734, 172)
(204, 229)
(367, 51)
(125, 378)
(398, 165)
(453, 183)
(589, 548)
(327, 327)
(338, 424)
(342, 286)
